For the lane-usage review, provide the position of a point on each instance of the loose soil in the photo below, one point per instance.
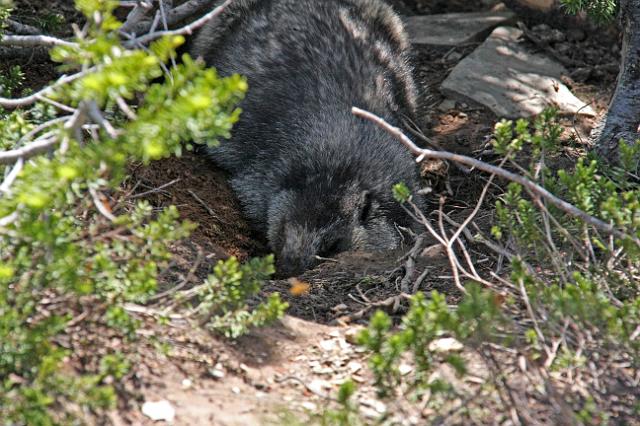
(278, 373)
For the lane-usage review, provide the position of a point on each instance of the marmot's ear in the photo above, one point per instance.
(364, 206)
(359, 204)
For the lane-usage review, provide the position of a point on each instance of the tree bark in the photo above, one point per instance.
(623, 115)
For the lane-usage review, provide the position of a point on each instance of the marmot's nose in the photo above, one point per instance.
(292, 267)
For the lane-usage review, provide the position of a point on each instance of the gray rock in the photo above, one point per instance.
(511, 81)
(446, 105)
(452, 29)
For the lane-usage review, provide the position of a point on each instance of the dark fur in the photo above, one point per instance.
(312, 177)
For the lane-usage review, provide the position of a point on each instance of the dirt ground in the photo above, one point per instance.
(279, 373)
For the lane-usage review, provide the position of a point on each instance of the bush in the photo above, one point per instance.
(569, 306)
(66, 235)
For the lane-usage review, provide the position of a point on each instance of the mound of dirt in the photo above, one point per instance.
(202, 194)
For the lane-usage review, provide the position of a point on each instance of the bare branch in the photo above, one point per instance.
(31, 99)
(187, 29)
(4, 221)
(498, 171)
(124, 107)
(174, 16)
(11, 177)
(20, 28)
(77, 120)
(34, 41)
(34, 148)
(154, 190)
(100, 205)
(33, 132)
(410, 265)
(94, 113)
(37, 54)
(136, 15)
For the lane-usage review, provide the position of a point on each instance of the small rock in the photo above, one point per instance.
(216, 373)
(369, 413)
(327, 345)
(522, 363)
(358, 379)
(308, 405)
(405, 369)
(344, 345)
(159, 410)
(452, 29)
(445, 344)
(351, 335)
(434, 251)
(575, 34)
(553, 36)
(564, 48)
(354, 366)
(186, 383)
(334, 333)
(453, 56)
(322, 370)
(581, 74)
(446, 105)
(543, 5)
(319, 387)
(379, 406)
(253, 375)
(340, 308)
(504, 76)
(235, 390)
(541, 28)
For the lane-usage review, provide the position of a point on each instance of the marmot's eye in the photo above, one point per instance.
(334, 248)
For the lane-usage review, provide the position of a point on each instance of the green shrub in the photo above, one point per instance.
(64, 232)
(600, 10)
(570, 302)
(222, 299)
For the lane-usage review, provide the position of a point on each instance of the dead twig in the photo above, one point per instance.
(94, 113)
(423, 153)
(140, 10)
(9, 103)
(393, 302)
(187, 29)
(190, 276)
(174, 16)
(34, 41)
(100, 205)
(410, 265)
(203, 204)
(306, 386)
(20, 28)
(444, 240)
(34, 148)
(11, 176)
(155, 190)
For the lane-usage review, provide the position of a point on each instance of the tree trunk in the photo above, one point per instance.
(623, 116)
